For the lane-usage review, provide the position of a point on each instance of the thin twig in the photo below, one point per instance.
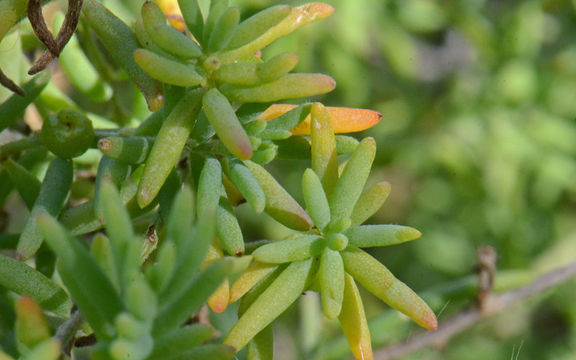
(462, 321)
(67, 331)
(487, 257)
(19, 145)
(9, 84)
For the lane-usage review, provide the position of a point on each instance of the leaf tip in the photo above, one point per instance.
(429, 321)
(407, 234)
(143, 198)
(244, 151)
(26, 305)
(317, 10)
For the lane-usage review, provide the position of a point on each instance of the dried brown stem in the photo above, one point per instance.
(9, 84)
(487, 257)
(39, 25)
(66, 31)
(462, 321)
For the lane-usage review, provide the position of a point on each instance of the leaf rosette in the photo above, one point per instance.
(325, 255)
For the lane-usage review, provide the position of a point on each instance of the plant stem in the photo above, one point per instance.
(19, 145)
(66, 331)
(464, 320)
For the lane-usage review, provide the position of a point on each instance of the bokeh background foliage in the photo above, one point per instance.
(478, 140)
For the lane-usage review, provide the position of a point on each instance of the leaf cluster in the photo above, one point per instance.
(124, 258)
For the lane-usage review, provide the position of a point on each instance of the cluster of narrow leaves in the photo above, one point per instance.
(134, 311)
(217, 66)
(181, 172)
(325, 254)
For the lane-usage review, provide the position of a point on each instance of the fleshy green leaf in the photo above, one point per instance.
(46, 350)
(353, 321)
(129, 327)
(101, 251)
(381, 235)
(351, 183)
(180, 340)
(165, 36)
(168, 146)
(181, 216)
(160, 273)
(209, 188)
(166, 70)
(228, 229)
(377, 279)
(298, 17)
(50, 200)
(324, 156)
(190, 257)
(24, 280)
(221, 115)
(279, 204)
(130, 150)
(331, 280)
(270, 304)
(31, 325)
(278, 66)
(345, 144)
(315, 198)
(178, 309)
(124, 348)
(91, 290)
(249, 278)
(210, 351)
(141, 300)
(247, 184)
(262, 345)
(192, 16)
(240, 73)
(290, 86)
(224, 29)
(257, 24)
(369, 202)
(217, 9)
(289, 250)
(120, 233)
(110, 170)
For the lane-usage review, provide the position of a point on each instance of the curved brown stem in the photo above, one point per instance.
(66, 31)
(9, 84)
(39, 25)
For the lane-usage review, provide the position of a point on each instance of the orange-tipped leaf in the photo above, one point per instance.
(344, 120)
(219, 300)
(353, 321)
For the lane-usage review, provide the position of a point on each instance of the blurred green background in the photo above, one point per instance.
(478, 140)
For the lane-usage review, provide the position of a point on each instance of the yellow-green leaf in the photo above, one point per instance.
(353, 321)
(377, 279)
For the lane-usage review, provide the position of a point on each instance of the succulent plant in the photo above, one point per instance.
(325, 256)
(157, 236)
